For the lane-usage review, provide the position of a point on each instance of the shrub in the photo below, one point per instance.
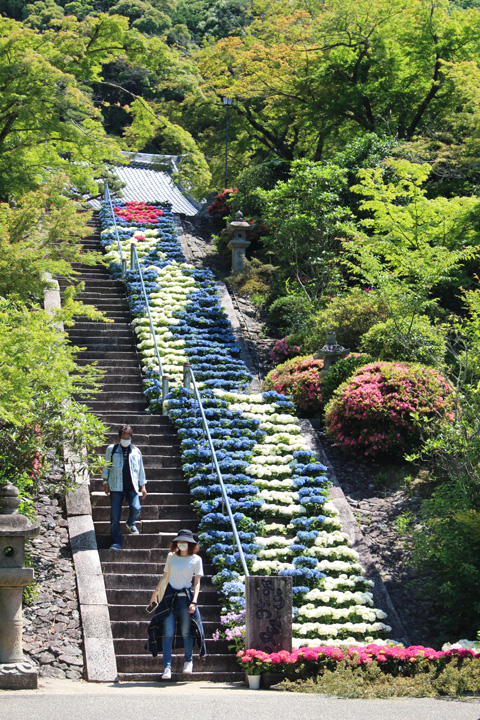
(219, 205)
(300, 378)
(290, 313)
(283, 350)
(372, 412)
(341, 371)
(416, 341)
(349, 316)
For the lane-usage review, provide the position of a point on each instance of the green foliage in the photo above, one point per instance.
(253, 179)
(48, 122)
(371, 681)
(341, 371)
(299, 377)
(349, 316)
(414, 340)
(305, 218)
(256, 279)
(40, 235)
(212, 18)
(39, 379)
(290, 313)
(446, 549)
(413, 243)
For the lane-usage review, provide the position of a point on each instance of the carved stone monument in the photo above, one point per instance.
(239, 243)
(16, 672)
(269, 613)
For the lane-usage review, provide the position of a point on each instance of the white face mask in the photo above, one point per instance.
(125, 443)
(182, 546)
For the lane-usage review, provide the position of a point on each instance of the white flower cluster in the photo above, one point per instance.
(337, 598)
(173, 292)
(334, 629)
(334, 614)
(145, 241)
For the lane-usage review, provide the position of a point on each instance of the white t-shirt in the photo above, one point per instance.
(182, 569)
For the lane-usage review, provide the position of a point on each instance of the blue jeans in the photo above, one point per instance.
(181, 609)
(116, 501)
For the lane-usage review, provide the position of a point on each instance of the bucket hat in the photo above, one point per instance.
(185, 536)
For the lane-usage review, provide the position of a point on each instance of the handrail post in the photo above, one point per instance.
(186, 376)
(133, 247)
(124, 268)
(164, 392)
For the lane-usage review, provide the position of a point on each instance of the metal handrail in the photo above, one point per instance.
(108, 198)
(189, 379)
(134, 261)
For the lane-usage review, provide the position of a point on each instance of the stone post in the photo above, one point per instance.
(268, 613)
(15, 671)
(239, 243)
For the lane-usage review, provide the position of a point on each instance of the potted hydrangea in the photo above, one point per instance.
(254, 663)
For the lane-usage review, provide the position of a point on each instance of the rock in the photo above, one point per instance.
(52, 672)
(45, 658)
(73, 675)
(71, 660)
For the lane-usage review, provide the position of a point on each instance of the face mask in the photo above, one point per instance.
(125, 443)
(182, 546)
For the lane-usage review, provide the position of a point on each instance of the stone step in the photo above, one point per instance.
(136, 646)
(133, 630)
(154, 568)
(167, 444)
(147, 663)
(138, 418)
(130, 613)
(198, 677)
(153, 487)
(126, 407)
(146, 540)
(153, 500)
(176, 513)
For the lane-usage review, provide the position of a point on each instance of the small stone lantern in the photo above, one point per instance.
(331, 353)
(239, 243)
(16, 672)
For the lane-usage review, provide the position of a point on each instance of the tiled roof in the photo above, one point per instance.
(151, 185)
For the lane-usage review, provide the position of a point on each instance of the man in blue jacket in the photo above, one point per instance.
(123, 477)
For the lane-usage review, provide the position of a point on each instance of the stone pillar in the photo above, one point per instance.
(269, 613)
(239, 243)
(15, 671)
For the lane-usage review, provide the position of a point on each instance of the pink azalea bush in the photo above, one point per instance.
(299, 377)
(395, 660)
(372, 413)
(283, 350)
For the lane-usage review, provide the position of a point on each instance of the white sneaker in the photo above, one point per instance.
(133, 529)
(167, 674)
(188, 668)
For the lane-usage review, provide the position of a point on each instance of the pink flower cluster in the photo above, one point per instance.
(138, 212)
(283, 351)
(372, 413)
(299, 377)
(362, 655)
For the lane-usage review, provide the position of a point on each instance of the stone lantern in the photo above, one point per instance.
(16, 672)
(239, 243)
(331, 353)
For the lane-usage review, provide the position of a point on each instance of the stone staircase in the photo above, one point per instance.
(132, 573)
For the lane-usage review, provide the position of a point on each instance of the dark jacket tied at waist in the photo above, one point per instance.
(155, 629)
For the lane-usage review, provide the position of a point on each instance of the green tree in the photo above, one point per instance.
(305, 218)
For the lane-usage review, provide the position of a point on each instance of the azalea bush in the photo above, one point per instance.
(386, 407)
(283, 350)
(341, 371)
(299, 377)
(220, 204)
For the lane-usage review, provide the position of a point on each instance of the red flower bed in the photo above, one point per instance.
(138, 212)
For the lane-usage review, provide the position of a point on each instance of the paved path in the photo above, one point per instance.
(68, 700)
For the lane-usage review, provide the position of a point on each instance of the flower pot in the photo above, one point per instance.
(254, 682)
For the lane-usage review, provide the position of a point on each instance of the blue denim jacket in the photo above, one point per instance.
(113, 472)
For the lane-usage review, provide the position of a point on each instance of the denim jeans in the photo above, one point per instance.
(116, 501)
(181, 609)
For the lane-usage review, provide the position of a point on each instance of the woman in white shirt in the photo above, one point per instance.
(177, 601)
